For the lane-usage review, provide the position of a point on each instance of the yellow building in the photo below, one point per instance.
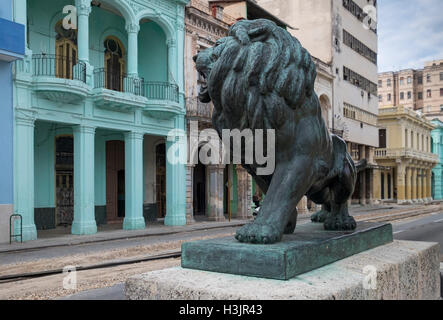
(404, 156)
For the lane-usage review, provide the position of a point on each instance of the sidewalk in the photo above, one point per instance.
(61, 237)
(151, 230)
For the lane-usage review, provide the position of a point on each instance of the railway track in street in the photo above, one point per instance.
(104, 265)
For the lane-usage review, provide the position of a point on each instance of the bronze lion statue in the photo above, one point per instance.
(260, 77)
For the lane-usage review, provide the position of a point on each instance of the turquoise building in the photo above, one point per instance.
(11, 48)
(437, 148)
(94, 104)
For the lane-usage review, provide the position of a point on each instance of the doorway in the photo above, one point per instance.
(199, 192)
(115, 181)
(64, 179)
(160, 179)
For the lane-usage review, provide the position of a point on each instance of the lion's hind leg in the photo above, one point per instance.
(340, 191)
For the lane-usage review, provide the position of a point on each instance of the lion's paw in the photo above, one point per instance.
(258, 233)
(340, 223)
(319, 216)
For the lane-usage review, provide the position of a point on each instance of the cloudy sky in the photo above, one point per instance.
(410, 32)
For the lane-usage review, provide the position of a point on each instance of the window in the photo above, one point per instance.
(359, 47)
(388, 82)
(380, 83)
(429, 93)
(65, 51)
(380, 98)
(382, 138)
(441, 92)
(402, 95)
(359, 81)
(420, 79)
(441, 76)
(420, 95)
(402, 81)
(114, 64)
(409, 95)
(428, 78)
(389, 97)
(409, 80)
(441, 108)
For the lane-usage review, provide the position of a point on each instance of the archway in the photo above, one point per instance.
(66, 51)
(114, 63)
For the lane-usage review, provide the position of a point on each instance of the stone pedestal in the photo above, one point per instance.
(399, 270)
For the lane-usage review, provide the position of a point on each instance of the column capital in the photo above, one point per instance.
(132, 27)
(84, 129)
(83, 7)
(171, 43)
(132, 135)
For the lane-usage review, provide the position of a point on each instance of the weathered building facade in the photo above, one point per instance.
(420, 89)
(405, 156)
(94, 107)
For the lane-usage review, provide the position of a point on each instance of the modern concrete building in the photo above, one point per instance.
(98, 106)
(405, 156)
(343, 34)
(437, 148)
(12, 47)
(415, 89)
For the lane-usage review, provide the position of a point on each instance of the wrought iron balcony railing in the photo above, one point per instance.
(161, 91)
(116, 81)
(135, 85)
(51, 65)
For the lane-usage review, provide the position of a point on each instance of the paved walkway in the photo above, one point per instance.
(62, 237)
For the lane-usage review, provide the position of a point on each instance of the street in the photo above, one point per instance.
(428, 228)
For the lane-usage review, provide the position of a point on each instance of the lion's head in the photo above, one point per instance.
(256, 62)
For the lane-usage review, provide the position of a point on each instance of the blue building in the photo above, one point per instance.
(12, 47)
(437, 148)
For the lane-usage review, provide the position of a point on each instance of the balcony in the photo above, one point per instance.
(200, 111)
(116, 91)
(385, 153)
(59, 78)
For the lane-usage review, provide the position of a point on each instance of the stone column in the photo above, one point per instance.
(302, 207)
(132, 28)
(371, 187)
(190, 194)
(414, 185)
(377, 185)
(84, 172)
(429, 184)
(243, 209)
(408, 184)
(216, 193)
(24, 174)
(83, 11)
(134, 219)
(172, 48)
(425, 185)
(176, 155)
(420, 185)
(401, 183)
(363, 187)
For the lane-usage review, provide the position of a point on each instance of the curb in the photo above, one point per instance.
(85, 241)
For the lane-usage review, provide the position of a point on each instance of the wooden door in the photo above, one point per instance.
(115, 166)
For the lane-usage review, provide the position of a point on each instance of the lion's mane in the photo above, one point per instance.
(260, 74)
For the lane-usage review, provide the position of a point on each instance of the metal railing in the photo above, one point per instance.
(51, 65)
(118, 82)
(138, 86)
(195, 108)
(161, 91)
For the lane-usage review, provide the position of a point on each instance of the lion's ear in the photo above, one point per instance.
(259, 34)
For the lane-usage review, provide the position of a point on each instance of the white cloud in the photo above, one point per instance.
(410, 33)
